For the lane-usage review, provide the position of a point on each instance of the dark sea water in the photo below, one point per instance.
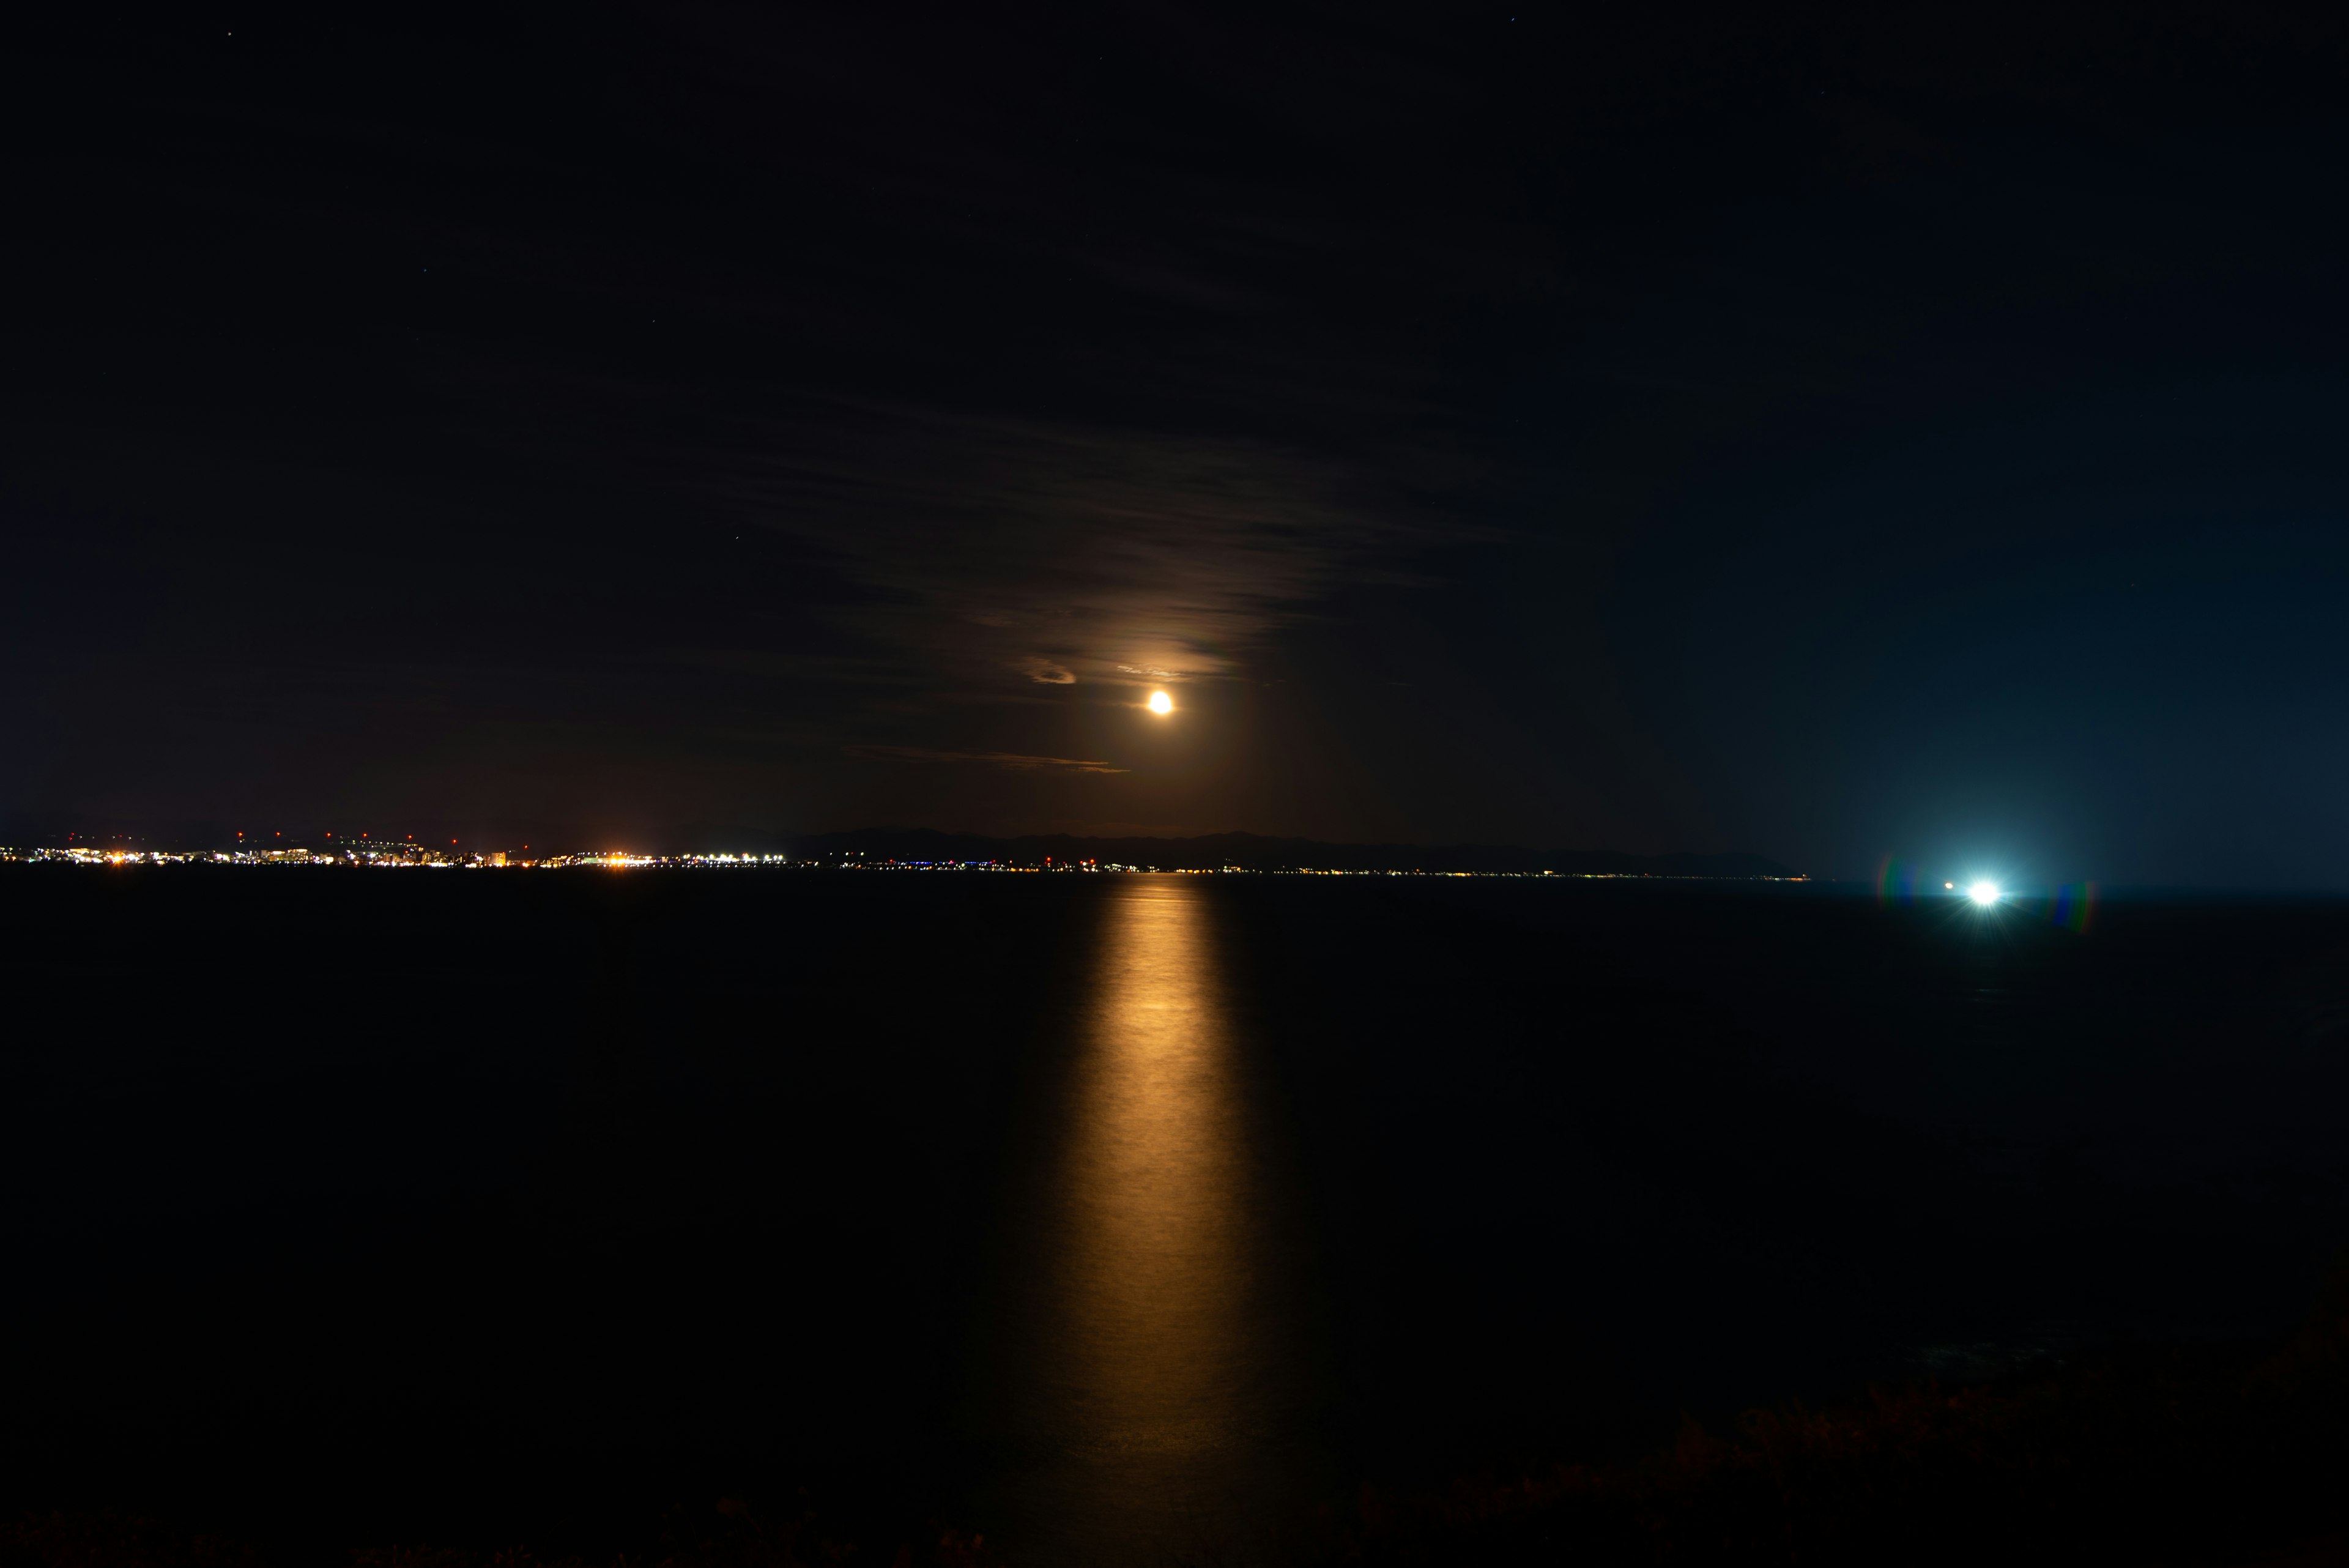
(1124, 1217)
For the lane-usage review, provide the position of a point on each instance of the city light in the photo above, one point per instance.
(397, 854)
(1984, 893)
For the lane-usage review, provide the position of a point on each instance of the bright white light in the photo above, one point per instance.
(1983, 893)
(1161, 703)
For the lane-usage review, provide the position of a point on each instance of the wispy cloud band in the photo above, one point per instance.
(1013, 760)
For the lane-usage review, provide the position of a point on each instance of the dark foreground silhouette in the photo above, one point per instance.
(2210, 1454)
(2185, 1454)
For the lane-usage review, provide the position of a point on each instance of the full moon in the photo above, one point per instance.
(1161, 703)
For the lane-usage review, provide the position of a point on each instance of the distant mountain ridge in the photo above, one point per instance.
(1256, 852)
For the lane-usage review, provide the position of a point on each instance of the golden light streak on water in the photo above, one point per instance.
(1158, 1361)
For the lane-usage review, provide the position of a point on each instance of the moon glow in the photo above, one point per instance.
(1161, 703)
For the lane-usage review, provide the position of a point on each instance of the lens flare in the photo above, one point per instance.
(2074, 907)
(1983, 893)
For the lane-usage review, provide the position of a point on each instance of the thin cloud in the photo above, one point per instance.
(1131, 552)
(1013, 760)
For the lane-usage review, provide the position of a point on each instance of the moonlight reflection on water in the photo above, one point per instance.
(1158, 1367)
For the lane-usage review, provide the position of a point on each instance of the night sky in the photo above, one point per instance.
(1913, 432)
